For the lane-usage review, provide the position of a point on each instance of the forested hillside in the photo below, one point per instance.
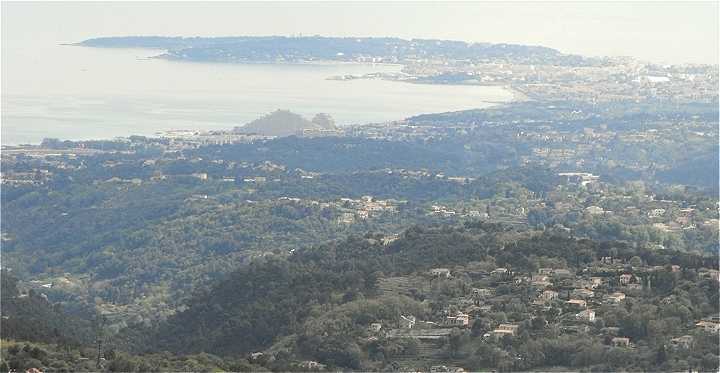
(31, 317)
(528, 236)
(318, 304)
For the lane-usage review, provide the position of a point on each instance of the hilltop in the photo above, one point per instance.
(286, 123)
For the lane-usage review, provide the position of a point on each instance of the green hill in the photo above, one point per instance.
(317, 304)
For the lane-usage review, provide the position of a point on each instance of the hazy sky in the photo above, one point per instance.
(672, 32)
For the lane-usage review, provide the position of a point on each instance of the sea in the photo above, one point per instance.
(76, 93)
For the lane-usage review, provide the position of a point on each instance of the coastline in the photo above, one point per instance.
(517, 96)
(71, 113)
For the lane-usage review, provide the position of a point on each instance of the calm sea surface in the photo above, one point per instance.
(72, 92)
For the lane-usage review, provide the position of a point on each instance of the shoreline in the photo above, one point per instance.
(517, 95)
(23, 139)
(24, 145)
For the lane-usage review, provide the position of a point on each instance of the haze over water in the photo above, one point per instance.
(73, 92)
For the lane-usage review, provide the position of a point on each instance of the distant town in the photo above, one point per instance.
(532, 72)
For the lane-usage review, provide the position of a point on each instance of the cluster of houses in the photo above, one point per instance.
(35, 177)
(449, 212)
(365, 208)
(577, 294)
(580, 178)
(191, 139)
